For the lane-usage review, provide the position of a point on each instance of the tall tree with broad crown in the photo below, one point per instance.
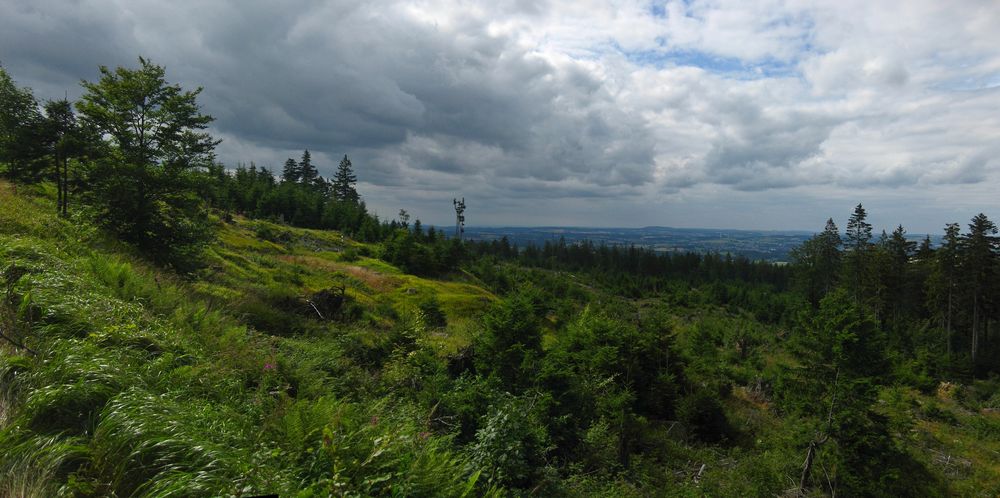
(144, 190)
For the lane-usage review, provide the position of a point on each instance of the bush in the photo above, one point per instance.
(933, 411)
(512, 443)
(350, 255)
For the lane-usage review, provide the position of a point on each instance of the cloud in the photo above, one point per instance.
(620, 110)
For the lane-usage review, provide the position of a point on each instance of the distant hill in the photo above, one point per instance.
(761, 245)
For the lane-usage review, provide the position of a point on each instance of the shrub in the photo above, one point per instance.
(430, 310)
(350, 255)
(702, 413)
(512, 443)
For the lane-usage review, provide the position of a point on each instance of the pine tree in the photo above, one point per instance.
(921, 272)
(266, 175)
(292, 173)
(404, 219)
(925, 251)
(343, 182)
(418, 230)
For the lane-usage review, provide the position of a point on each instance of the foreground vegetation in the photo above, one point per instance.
(128, 380)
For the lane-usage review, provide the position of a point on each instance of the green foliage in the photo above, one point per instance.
(143, 190)
(20, 123)
(431, 313)
(164, 446)
(510, 343)
(383, 452)
(343, 182)
(144, 384)
(702, 414)
(816, 263)
(512, 444)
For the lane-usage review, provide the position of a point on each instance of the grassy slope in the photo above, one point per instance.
(146, 384)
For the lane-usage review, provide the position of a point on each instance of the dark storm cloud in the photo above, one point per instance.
(342, 77)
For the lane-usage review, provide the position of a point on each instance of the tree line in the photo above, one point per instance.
(939, 302)
(133, 153)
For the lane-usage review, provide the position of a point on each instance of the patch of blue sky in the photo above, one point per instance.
(658, 9)
(732, 67)
(970, 83)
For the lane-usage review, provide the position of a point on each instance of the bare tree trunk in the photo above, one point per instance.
(57, 161)
(948, 320)
(807, 467)
(975, 332)
(986, 335)
(65, 180)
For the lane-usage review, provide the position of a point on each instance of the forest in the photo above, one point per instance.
(174, 326)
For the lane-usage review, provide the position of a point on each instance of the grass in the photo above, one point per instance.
(146, 384)
(228, 383)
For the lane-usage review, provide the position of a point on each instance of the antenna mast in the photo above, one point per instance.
(459, 217)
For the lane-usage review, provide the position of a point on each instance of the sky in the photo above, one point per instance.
(720, 114)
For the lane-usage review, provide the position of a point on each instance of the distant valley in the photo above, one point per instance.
(754, 244)
(762, 245)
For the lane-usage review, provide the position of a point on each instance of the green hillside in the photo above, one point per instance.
(296, 362)
(128, 380)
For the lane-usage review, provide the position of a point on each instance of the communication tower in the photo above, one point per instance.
(459, 217)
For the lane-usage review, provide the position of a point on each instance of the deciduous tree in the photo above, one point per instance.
(143, 190)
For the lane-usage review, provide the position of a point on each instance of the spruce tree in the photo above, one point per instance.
(291, 173)
(307, 172)
(859, 253)
(942, 285)
(979, 264)
(343, 182)
(899, 250)
(817, 263)
(843, 359)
